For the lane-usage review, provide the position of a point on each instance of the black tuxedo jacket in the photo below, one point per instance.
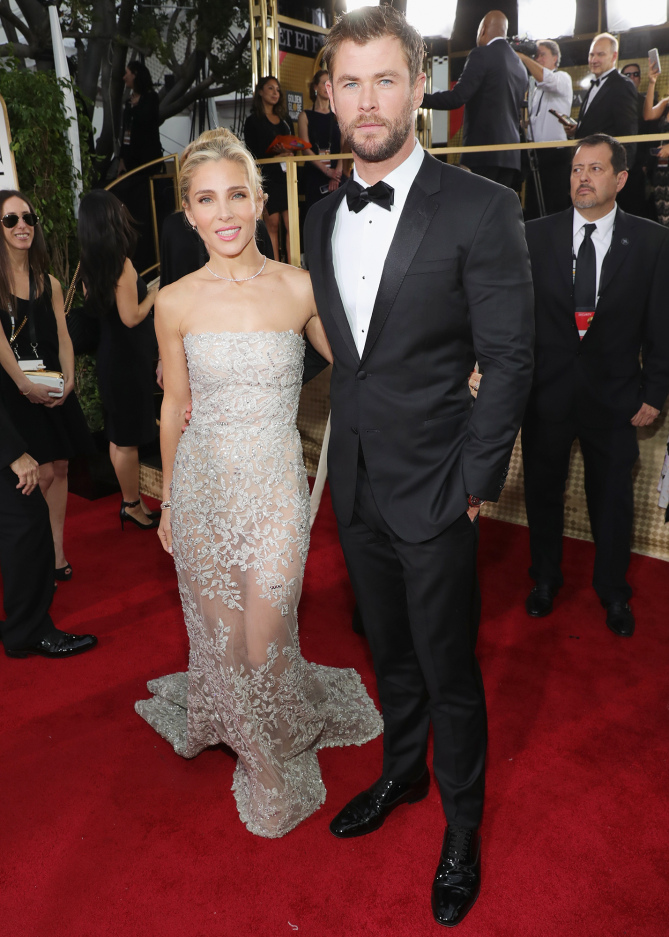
(599, 379)
(614, 110)
(11, 444)
(492, 87)
(456, 288)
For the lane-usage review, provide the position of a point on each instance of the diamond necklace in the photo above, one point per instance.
(241, 279)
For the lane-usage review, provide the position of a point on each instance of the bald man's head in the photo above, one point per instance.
(493, 25)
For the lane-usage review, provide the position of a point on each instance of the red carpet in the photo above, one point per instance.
(105, 831)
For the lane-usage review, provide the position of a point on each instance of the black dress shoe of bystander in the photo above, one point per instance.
(57, 644)
(457, 883)
(620, 619)
(368, 810)
(540, 601)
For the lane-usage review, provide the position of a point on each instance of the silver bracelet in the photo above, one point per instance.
(164, 505)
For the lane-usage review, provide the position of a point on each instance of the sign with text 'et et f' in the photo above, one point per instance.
(299, 41)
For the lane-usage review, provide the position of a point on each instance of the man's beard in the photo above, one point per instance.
(376, 150)
(586, 199)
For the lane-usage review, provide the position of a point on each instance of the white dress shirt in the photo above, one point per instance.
(360, 244)
(595, 88)
(601, 238)
(553, 92)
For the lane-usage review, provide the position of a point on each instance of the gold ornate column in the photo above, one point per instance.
(264, 39)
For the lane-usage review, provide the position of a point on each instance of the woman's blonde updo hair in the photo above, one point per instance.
(212, 146)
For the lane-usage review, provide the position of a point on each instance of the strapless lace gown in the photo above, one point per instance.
(240, 525)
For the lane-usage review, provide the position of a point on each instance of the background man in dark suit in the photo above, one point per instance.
(591, 325)
(418, 270)
(27, 557)
(492, 88)
(610, 106)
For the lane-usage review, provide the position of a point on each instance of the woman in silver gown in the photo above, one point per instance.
(236, 510)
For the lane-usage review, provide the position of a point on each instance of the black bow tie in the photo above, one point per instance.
(357, 196)
(594, 82)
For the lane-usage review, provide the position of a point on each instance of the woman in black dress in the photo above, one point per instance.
(267, 120)
(320, 129)
(34, 328)
(120, 299)
(140, 141)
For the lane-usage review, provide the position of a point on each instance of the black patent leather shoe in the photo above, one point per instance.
(539, 602)
(457, 883)
(368, 811)
(620, 619)
(57, 644)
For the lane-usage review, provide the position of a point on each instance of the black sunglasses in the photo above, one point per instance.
(12, 219)
(632, 74)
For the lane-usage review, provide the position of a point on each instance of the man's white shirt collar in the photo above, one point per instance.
(604, 224)
(401, 178)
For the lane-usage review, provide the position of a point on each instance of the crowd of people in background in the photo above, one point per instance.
(579, 293)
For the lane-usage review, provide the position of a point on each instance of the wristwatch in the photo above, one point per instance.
(475, 502)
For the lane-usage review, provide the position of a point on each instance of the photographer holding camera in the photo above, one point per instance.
(492, 88)
(550, 92)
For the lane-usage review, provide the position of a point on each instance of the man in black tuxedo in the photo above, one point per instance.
(415, 278)
(27, 558)
(601, 281)
(610, 106)
(492, 88)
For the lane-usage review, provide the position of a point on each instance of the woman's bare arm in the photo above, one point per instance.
(65, 349)
(130, 311)
(176, 396)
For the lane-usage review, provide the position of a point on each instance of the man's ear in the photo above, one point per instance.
(419, 90)
(621, 180)
(330, 91)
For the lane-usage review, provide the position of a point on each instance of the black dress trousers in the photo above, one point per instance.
(420, 603)
(27, 564)
(609, 454)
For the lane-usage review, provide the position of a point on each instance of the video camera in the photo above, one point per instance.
(523, 44)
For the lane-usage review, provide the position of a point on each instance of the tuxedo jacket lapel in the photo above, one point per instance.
(334, 296)
(415, 219)
(621, 243)
(563, 241)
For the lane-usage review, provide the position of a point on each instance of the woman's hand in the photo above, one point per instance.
(38, 393)
(653, 71)
(663, 152)
(59, 401)
(165, 530)
(159, 374)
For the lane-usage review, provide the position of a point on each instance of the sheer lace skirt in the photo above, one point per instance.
(240, 524)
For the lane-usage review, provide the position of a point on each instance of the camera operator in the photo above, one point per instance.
(492, 88)
(550, 90)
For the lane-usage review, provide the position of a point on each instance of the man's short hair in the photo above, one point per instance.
(618, 151)
(612, 40)
(367, 23)
(552, 47)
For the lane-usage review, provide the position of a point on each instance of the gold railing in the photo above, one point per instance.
(172, 173)
(292, 163)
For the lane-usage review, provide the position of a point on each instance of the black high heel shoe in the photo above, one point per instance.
(123, 514)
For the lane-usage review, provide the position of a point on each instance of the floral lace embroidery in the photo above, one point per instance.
(240, 523)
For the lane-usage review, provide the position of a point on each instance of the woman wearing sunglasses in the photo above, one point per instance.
(120, 299)
(33, 328)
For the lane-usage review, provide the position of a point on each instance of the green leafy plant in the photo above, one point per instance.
(38, 126)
